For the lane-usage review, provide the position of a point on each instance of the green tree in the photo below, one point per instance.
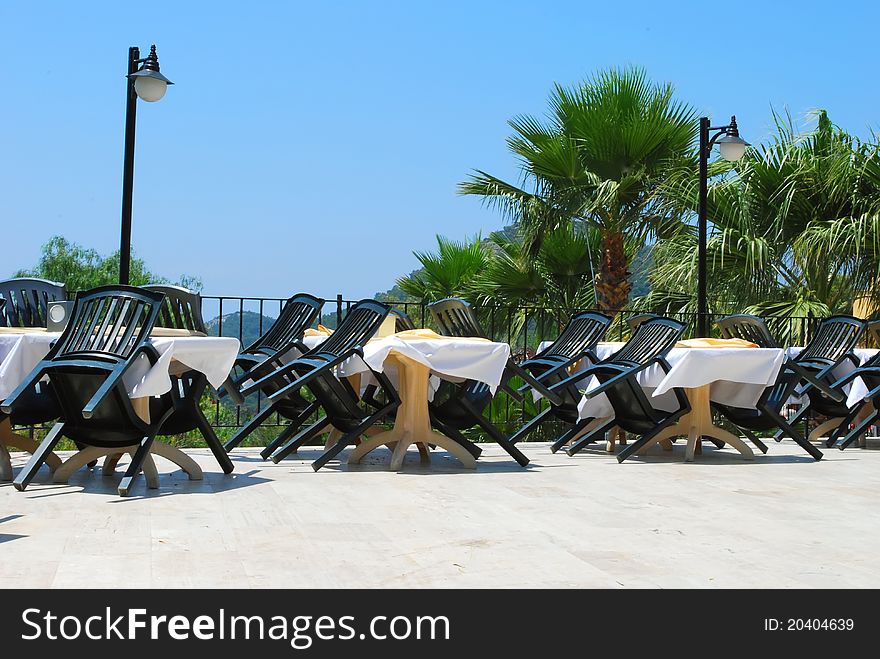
(795, 228)
(598, 161)
(82, 268)
(449, 272)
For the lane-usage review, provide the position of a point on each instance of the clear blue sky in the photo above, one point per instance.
(313, 146)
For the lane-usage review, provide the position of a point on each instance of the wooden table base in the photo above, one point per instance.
(111, 457)
(698, 424)
(14, 440)
(413, 423)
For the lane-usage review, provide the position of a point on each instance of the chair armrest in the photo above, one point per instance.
(623, 376)
(815, 382)
(114, 378)
(311, 375)
(535, 384)
(35, 376)
(274, 375)
(230, 387)
(559, 367)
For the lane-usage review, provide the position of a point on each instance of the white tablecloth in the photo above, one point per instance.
(452, 358)
(213, 356)
(858, 389)
(736, 376)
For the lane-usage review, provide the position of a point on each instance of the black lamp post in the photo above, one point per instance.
(147, 83)
(732, 148)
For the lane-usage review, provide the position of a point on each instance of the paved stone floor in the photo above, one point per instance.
(780, 521)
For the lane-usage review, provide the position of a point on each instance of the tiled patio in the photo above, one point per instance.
(781, 521)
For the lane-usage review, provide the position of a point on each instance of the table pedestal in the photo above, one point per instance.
(111, 457)
(412, 424)
(826, 427)
(698, 424)
(14, 440)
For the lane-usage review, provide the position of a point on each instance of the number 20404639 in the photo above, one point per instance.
(808, 624)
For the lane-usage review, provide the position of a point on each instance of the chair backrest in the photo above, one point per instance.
(748, 328)
(109, 323)
(297, 315)
(652, 338)
(361, 323)
(455, 317)
(402, 322)
(583, 332)
(638, 319)
(27, 299)
(181, 309)
(834, 338)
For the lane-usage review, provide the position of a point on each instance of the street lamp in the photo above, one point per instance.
(150, 85)
(732, 148)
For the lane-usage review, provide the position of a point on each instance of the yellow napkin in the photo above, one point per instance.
(173, 331)
(716, 343)
(431, 334)
(21, 330)
(321, 331)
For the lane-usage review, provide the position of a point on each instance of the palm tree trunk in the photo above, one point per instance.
(612, 283)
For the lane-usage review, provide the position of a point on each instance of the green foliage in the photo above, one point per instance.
(598, 163)
(448, 272)
(82, 268)
(795, 228)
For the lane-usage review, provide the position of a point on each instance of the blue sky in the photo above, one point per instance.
(313, 146)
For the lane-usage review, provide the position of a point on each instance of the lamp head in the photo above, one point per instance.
(149, 84)
(732, 146)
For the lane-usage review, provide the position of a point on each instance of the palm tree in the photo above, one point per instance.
(795, 228)
(448, 272)
(597, 162)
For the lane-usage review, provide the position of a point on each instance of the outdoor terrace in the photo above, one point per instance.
(781, 520)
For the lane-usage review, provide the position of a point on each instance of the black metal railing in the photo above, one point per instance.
(524, 328)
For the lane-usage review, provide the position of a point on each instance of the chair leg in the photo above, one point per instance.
(863, 426)
(137, 460)
(212, 441)
(501, 440)
(569, 434)
(844, 425)
(645, 439)
(530, 425)
(456, 436)
(590, 438)
(301, 438)
(348, 438)
(797, 417)
(249, 427)
(284, 435)
(753, 439)
(26, 475)
(788, 429)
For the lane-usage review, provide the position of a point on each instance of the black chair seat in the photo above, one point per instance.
(37, 405)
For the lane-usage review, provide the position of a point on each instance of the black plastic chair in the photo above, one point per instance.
(455, 317)
(402, 322)
(108, 332)
(315, 371)
(27, 299)
(182, 309)
(576, 342)
(748, 328)
(286, 333)
(633, 412)
(768, 414)
(831, 345)
(869, 372)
